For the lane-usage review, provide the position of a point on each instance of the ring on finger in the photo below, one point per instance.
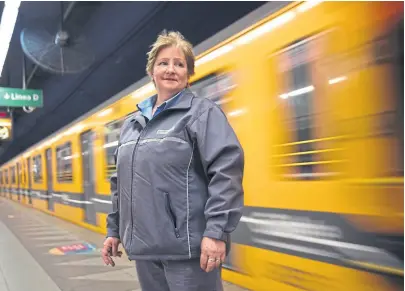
(214, 260)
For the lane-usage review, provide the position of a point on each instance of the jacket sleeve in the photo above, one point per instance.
(114, 216)
(222, 157)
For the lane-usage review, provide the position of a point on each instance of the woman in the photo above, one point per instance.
(177, 193)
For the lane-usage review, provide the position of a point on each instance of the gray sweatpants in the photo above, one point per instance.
(184, 275)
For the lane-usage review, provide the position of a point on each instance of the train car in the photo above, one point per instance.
(13, 181)
(314, 91)
(5, 186)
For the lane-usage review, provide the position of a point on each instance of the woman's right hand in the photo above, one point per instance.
(110, 249)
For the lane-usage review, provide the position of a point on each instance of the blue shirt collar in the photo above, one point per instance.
(146, 106)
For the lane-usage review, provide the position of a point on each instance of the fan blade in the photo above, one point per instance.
(40, 47)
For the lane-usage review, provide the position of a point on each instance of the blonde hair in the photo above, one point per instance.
(167, 39)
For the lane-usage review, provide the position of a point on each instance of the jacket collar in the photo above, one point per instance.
(184, 102)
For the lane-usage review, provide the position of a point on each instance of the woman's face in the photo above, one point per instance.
(170, 70)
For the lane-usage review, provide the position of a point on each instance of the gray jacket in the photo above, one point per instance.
(179, 178)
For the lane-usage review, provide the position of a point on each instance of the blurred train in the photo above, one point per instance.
(315, 93)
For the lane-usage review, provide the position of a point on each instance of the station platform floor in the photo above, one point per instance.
(39, 252)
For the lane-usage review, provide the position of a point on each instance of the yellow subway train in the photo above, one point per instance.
(314, 91)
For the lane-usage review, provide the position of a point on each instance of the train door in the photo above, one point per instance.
(29, 181)
(18, 180)
(23, 182)
(8, 182)
(88, 176)
(49, 177)
(1, 183)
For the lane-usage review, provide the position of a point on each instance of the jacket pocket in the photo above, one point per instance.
(171, 214)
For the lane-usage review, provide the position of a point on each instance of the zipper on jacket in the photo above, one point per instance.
(171, 214)
(133, 168)
(132, 177)
(132, 180)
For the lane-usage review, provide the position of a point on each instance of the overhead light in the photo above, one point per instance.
(8, 19)
(237, 112)
(297, 92)
(337, 80)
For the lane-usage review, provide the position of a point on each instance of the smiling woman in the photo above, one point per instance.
(169, 73)
(318, 108)
(170, 65)
(187, 165)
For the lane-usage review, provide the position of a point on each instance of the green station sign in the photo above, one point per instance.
(13, 97)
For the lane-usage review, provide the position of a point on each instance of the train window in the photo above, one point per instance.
(19, 173)
(64, 169)
(214, 87)
(37, 169)
(23, 174)
(298, 98)
(112, 134)
(13, 175)
(300, 155)
(6, 176)
(398, 36)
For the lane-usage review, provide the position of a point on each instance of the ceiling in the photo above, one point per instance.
(119, 34)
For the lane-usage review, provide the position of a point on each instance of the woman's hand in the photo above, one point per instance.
(110, 249)
(212, 253)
